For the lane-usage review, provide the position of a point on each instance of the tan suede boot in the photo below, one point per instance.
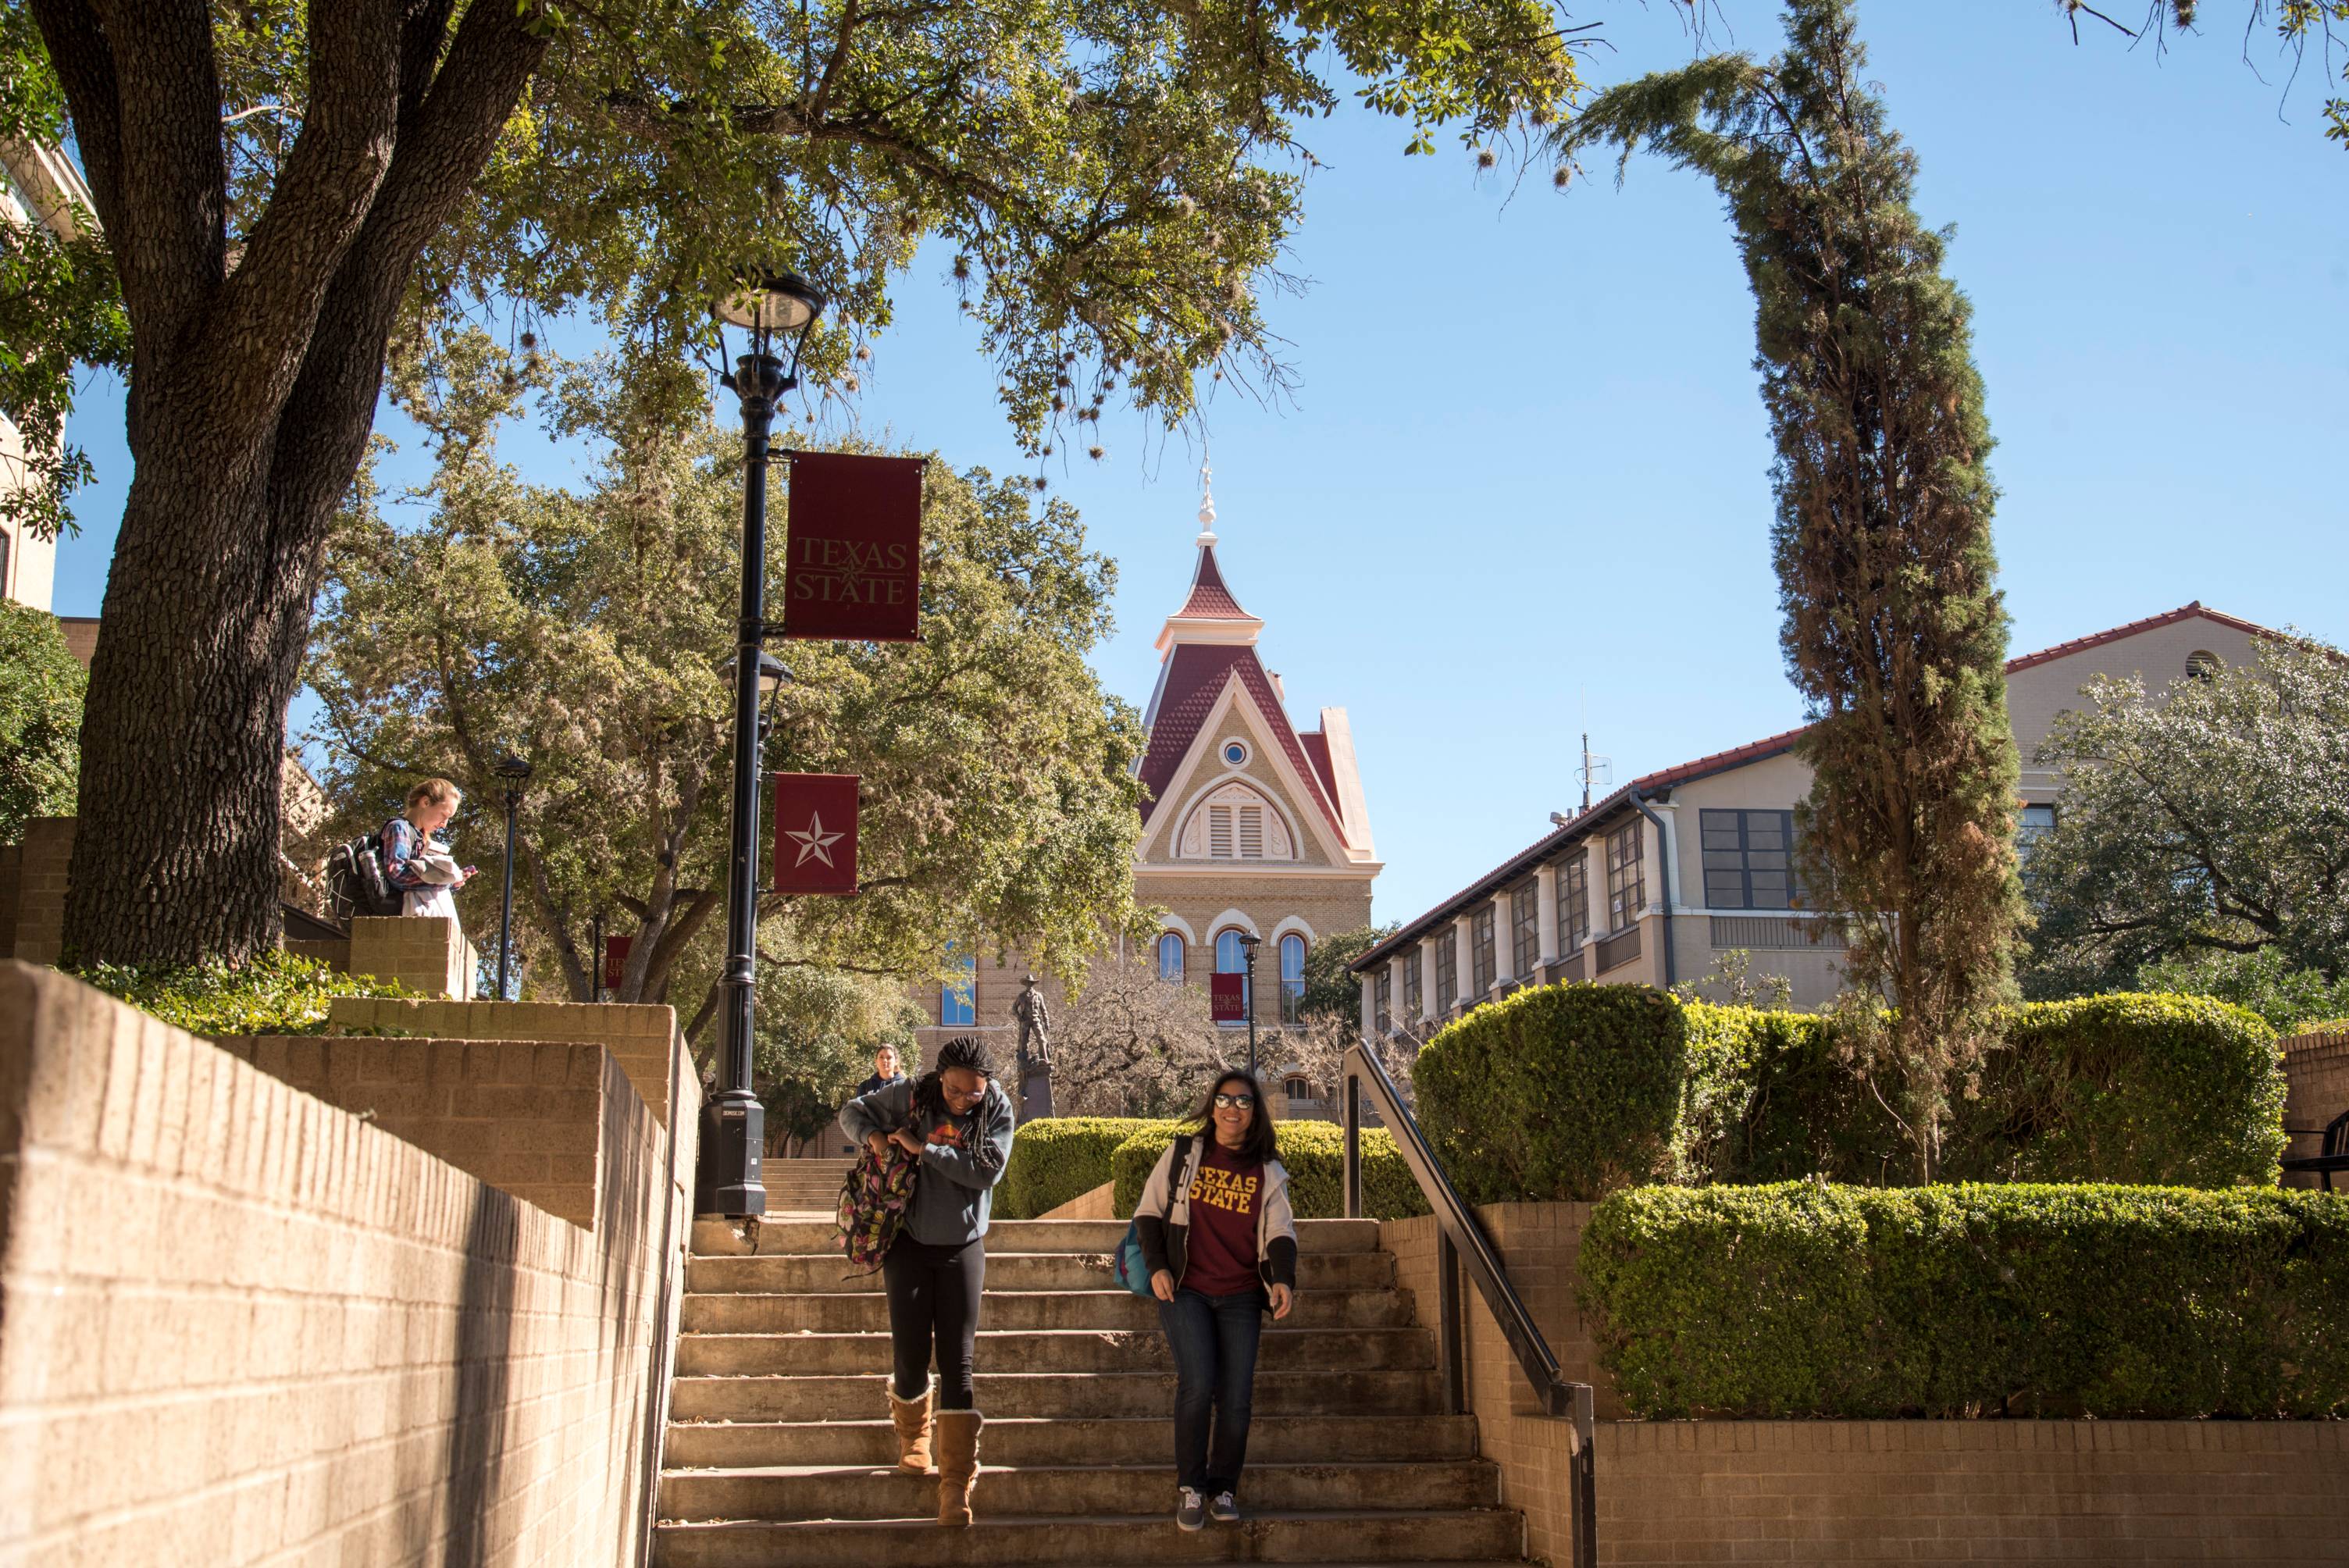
(957, 1463)
(912, 1417)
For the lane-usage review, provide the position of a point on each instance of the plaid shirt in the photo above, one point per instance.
(401, 844)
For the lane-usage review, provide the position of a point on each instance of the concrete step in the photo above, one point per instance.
(868, 1311)
(1052, 1350)
(1475, 1535)
(817, 1238)
(1096, 1491)
(1272, 1439)
(1005, 1270)
(1102, 1394)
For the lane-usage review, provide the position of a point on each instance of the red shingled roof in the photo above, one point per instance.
(1197, 673)
(1317, 747)
(1210, 600)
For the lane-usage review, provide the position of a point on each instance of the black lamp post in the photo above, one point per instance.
(1248, 945)
(515, 772)
(727, 1178)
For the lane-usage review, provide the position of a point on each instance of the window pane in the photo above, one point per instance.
(958, 997)
(1170, 956)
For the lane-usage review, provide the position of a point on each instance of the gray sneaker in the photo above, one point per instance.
(1191, 1512)
(1225, 1509)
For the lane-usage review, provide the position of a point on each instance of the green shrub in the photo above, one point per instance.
(2135, 1088)
(1769, 1098)
(2149, 1087)
(1315, 1153)
(1056, 1159)
(276, 994)
(1803, 1299)
(1558, 1092)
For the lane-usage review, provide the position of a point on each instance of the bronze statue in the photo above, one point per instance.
(1035, 1051)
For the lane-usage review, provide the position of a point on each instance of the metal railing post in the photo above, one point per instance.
(1586, 1477)
(1450, 1345)
(1353, 1176)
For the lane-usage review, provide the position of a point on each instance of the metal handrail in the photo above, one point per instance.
(1463, 1241)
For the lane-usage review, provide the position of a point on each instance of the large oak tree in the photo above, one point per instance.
(284, 186)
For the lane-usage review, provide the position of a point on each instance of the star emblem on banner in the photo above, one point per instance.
(813, 841)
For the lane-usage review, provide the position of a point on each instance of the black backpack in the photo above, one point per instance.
(356, 881)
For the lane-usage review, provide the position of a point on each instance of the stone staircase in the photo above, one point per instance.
(779, 1451)
(803, 1186)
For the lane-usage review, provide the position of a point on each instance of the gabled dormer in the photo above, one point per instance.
(1229, 776)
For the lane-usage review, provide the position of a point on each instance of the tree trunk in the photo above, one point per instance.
(252, 388)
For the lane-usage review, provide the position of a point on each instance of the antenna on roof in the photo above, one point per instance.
(1594, 770)
(1207, 501)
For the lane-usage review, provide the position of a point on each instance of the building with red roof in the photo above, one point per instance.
(1659, 880)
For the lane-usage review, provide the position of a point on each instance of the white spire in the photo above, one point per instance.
(1206, 502)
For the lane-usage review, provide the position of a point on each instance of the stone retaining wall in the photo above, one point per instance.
(239, 1325)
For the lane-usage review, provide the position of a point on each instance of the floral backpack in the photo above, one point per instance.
(873, 1202)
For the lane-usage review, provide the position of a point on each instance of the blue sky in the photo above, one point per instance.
(1524, 484)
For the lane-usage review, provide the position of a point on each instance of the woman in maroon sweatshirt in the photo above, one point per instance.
(1217, 1235)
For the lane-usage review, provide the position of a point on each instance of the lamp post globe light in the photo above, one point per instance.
(516, 773)
(1249, 945)
(727, 1176)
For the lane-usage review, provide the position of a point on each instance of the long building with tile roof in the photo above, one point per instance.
(1656, 882)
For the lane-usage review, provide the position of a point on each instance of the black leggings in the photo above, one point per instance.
(934, 1295)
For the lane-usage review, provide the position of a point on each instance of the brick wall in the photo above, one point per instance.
(427, 954)
(2317, 1080)
(2267, 1493)
(238, 1325)
(12, 858)
(41, 864)
(1869, 1492)
(522, 1115)
(639, 1035)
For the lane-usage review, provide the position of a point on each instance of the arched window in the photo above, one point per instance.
(1297, 1088)
(1292, 978)
(2202, 665)
(1170, 956)
(958, 997)
(1235, 823)
(1231, 958)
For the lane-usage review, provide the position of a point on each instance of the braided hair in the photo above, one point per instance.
(965, 1051)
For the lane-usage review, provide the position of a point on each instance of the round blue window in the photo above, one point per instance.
(1234, 753)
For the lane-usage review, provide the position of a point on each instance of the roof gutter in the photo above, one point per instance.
(1664, 857)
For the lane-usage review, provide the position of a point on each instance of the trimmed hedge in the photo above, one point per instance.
(277, 993)
(1055, 1158)
(1557, 1092)
(2134, 1088)
(1315, 1153)
(1803, 1299)
(2153, 1088)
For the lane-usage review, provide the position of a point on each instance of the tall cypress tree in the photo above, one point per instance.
(1894, 631)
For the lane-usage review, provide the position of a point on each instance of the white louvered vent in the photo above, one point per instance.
(1219, 833)
(1251, 832)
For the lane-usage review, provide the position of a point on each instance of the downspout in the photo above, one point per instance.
(1664, 848)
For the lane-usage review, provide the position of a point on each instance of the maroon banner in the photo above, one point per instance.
(616, 959)
(815, 833)
(1227, 998)
(853, 548)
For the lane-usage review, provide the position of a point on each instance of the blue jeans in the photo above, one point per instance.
(1213, 1338)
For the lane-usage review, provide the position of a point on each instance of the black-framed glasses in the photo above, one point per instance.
(1234, 1101)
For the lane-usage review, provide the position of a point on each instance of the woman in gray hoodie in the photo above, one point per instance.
(957, 1122)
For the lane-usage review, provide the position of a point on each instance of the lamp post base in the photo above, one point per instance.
(728, 1174)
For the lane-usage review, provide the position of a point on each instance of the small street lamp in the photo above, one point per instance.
(516, 773)
(1249, 945)
(726, 1180)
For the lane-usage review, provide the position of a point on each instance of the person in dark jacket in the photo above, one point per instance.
(1220, 1242)
(958, 1121)
(885, 1073)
